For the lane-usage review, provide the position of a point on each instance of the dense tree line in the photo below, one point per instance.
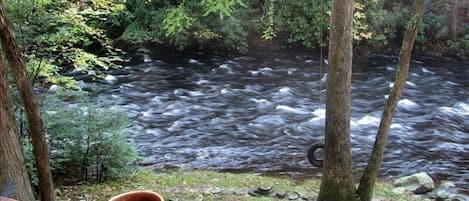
(241, 24)
(83, 28)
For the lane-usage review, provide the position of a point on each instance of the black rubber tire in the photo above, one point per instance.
(314, 147)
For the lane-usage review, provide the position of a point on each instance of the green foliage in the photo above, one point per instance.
(222, 8)
(176, 25)
(269, 32)
(387, 21)
(85, 138)
(378, 24)
(185, 24)
(177, 21)
(462, 46)
(52, 28)
(50, 72)
(305, 22)
(62, 36)
(360, 27)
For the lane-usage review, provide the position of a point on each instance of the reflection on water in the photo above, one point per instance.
(262, 113)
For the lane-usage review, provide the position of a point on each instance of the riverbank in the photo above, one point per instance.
(184, 185)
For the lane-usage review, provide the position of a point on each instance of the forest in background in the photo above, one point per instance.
(63, 38)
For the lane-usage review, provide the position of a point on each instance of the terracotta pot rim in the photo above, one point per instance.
(137, 192)
(6, 199)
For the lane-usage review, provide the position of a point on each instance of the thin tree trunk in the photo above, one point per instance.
(454, 20)
(337, 180)
(365, 190)
(14, 179)
(36, 129)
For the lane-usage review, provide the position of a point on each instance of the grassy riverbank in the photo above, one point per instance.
(209, 185)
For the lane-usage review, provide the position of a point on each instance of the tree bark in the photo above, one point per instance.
(337, 180)
(14, 179)
(454, 20)
(365, 190)
(36, 129)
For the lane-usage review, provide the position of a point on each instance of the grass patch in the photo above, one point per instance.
(205, 185)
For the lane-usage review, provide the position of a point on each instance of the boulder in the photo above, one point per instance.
(445, 191)
(419, 183)
(399, 190)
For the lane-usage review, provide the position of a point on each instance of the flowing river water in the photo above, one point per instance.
(261, 113)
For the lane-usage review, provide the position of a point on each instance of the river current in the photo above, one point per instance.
(261, 113)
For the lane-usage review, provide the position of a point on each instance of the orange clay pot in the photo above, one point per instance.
(136, 196)
(6, 199)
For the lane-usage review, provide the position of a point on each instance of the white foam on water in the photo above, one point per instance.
(224, 91)
(265, 69)
(408, 83)
(284, 90)
(366, 120)
(411, 84)
(174, 112)
(147, 113)
(451, 83)
(270, 119)
(317, 121)
(291, 70)
(427, 71)
(156, 99)
(459, 108)
(396, 126)
(291, 109)
(415, 74)
(175, 126)
(319, 112)
(254, 72)
(261, 101)
(146, 58)
(324, 78)
(179, 92)
(463, 108)
(202, 81)
(154, 132)
(196, 93)
(193, 61)
(227, 68)
(407, 104)
(110, 78)
(129, 85)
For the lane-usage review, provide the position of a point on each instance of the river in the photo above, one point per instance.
(261, 113)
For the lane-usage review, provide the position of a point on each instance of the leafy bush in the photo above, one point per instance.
(62, 36)
(86, 139)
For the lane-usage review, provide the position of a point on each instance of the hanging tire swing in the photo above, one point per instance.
(316, 150)
(316, 154)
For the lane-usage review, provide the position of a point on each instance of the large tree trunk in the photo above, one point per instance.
(14, 180)
(36, 129)
(365, 190)
(337, 181)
